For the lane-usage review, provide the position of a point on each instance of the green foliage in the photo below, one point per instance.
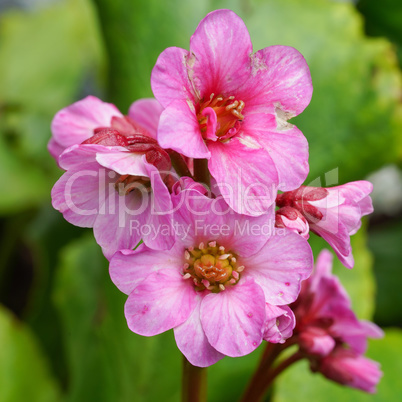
(45, 57)
(23, 368)
(386, 245)
(106, 361)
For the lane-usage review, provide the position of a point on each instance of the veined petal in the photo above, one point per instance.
(169, 78)
(280, 266)
(146, 113)
(161, 235)
(280, 79)
(162, 301)
(233, 320)
(193, 343)
(128, 268)
(116, 226)
(54, 148)
(286, 145)
(75, 123)
(77, 195)
(249, 188)
(179, 130)
(123, 162)
(220, 54)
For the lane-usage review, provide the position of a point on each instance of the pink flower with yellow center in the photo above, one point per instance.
(230, 106)
(224, 285)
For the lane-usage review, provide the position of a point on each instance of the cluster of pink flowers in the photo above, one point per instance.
(329, 333)
(218, 264)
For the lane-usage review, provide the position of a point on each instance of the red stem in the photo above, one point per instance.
(194, 383)
(265, 374)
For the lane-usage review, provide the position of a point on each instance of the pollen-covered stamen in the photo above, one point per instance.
(211, 267)
(228, 113)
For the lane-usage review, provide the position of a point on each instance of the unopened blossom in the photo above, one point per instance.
(351, 369)
(328, 331)
(230, 106)
(333, 213)
(279, 324)
(115, 179)
(79, 121)
(213, 286)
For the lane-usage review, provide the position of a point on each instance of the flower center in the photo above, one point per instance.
(228, 113)
(211, 267)
(125, 184)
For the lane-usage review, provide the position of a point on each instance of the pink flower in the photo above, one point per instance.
(349, 368)
(324, 316)
(212, 287)
(115, 180)
(279, 324)
(332, 213)
(329, 333)
(231, 106)
(78, 122)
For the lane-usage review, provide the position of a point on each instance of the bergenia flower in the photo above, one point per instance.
(351, 369)
(115, 180)
(212, 287)
(279, 324)
(79, 121)
(231, 106)
(328, 331)
(333, 213)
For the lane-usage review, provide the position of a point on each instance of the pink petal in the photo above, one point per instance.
(221, 49)
(161, 235)
(169, 78)
(123, 162)
(119, 226)
(128, 268)
(162, 301)
(280, 266)
(198, 218)
(179, 130)
(332, 230)
(76, 123)
(248, 234)
(248, 188)
(279, 324)
(280, 79)
(193, 343)
(323, 264)
(233, 320)
(146, 113)
(54, 148)
(286, 145)
(354, 191)
(77, 194)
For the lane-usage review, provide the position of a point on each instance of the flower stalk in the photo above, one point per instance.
(194, 383)
(265, 374)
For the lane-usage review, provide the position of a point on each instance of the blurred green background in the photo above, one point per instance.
(63, 335)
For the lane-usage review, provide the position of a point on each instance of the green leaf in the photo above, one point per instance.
(45, 56)
(24, 374)
(354, 119)
(107, 362)
(299, 384)
(385, 241)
